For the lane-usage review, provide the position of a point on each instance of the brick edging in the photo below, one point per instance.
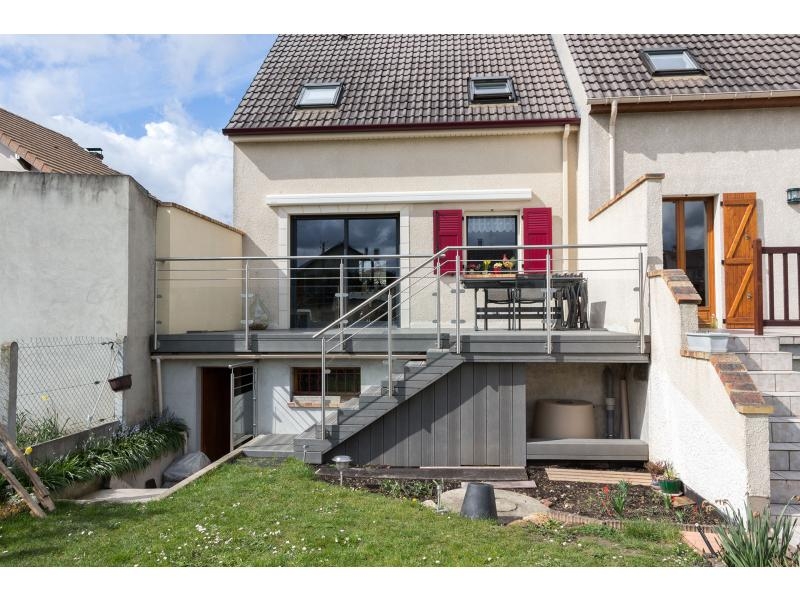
(744, 394)
(573, 519)
(679, 284)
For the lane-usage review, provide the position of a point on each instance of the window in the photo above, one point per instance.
(491, 231)
(491, 89)
(319, 95)
(341, 383)
(323, 242)
(670, 61)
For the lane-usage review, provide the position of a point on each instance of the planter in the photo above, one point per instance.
(713, 343)
(671, 487)
(118, 384)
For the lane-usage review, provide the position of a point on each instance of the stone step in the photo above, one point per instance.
(785, 404)
(766, 361)
(784, 430)
(784, 487)
(753, 343)
(776, 381)
(784, 456)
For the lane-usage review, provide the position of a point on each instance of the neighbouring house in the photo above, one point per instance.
(688, 141)
(77, 282)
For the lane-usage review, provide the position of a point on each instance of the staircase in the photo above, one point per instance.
(773, 363)
(373, 404)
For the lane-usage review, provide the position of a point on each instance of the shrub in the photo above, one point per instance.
(751, 540)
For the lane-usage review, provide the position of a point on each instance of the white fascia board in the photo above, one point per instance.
(501, 195)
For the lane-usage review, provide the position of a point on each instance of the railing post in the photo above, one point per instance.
(458, 302)
(548, 302)
(247, 305)
(390, 386)
(641, 302)
(322, 390)
(341, 295)
(438, 304)
(758, 288)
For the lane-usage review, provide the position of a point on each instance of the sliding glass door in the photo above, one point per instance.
(315, 277)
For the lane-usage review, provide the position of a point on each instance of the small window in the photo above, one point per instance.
(319, 95)
(670, 61)
(341, 384)
(491, 89)
(491, 231)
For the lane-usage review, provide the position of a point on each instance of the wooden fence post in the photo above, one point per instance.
(758, 288)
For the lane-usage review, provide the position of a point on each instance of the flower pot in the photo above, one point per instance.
(123, 382)
(671, 487)
(712, 343)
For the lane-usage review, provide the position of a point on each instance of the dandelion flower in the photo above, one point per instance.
(28, 451)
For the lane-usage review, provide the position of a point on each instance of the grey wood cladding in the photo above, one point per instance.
(475, 415)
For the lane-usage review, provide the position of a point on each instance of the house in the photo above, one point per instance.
(714, 117)
(380, 181)
(80, 240)
(358, 160)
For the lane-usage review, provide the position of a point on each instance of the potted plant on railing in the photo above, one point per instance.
(669, 481)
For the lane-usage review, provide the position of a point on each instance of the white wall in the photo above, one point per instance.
(690, 419)
(8, 162)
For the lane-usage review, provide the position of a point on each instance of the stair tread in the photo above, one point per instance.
(774, 394)
(791, 419)
(760, 352)
(782, 372)
(784, 475)
(793, 446)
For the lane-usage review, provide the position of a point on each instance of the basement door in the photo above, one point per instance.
(688, 233)
(740, 230)
(227, 408)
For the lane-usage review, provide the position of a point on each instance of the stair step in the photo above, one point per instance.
(776, 381)
(766, 361)
(784, 456)
(793, 510)
(784, 430)
(753, 343)
(784, 476)
(785, 404)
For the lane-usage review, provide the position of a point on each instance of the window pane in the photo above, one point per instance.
(696, 236)
(492, 88)
(316, 280)
(318, 96)
(670, 236)
(672, 61)
(365, 276)
(491, 231)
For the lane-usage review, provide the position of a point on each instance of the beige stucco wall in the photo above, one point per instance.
(705, 153)
(209, 299)
(690, 419)
(486, 161)
(78, 261)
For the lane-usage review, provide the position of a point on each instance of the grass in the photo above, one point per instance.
(241, 514)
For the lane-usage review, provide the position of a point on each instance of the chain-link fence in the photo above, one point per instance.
(63, 386)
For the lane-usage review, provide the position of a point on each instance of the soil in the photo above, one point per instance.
(587, 499)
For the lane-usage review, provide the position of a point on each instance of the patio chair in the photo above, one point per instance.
(502, 297)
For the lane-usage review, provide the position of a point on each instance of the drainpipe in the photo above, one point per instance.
(612, 167)
(159, 389)
(565, 186)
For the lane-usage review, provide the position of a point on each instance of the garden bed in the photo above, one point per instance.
(586, 499)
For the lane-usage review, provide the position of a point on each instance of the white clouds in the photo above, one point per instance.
(106, 90)
(175, 161)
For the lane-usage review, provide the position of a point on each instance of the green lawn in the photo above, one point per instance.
(242, 514)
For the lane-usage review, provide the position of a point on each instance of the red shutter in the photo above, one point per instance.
(447, 232)
(537, 230)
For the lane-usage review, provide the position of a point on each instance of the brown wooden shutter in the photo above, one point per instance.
(740, 227)
(447, 231)
(537, 230)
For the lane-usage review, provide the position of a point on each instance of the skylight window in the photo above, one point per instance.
(671, 61)
(319, 95)
(491, 89)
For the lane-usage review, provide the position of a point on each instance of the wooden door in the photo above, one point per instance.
(740, 229)
(215, 412)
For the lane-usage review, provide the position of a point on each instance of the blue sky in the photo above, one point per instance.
(155, 104)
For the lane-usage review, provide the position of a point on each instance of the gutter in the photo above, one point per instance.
(233, 131)
(639, 99)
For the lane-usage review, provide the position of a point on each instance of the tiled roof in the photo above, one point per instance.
(610, 65)
(403, 81)
(46, 150)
